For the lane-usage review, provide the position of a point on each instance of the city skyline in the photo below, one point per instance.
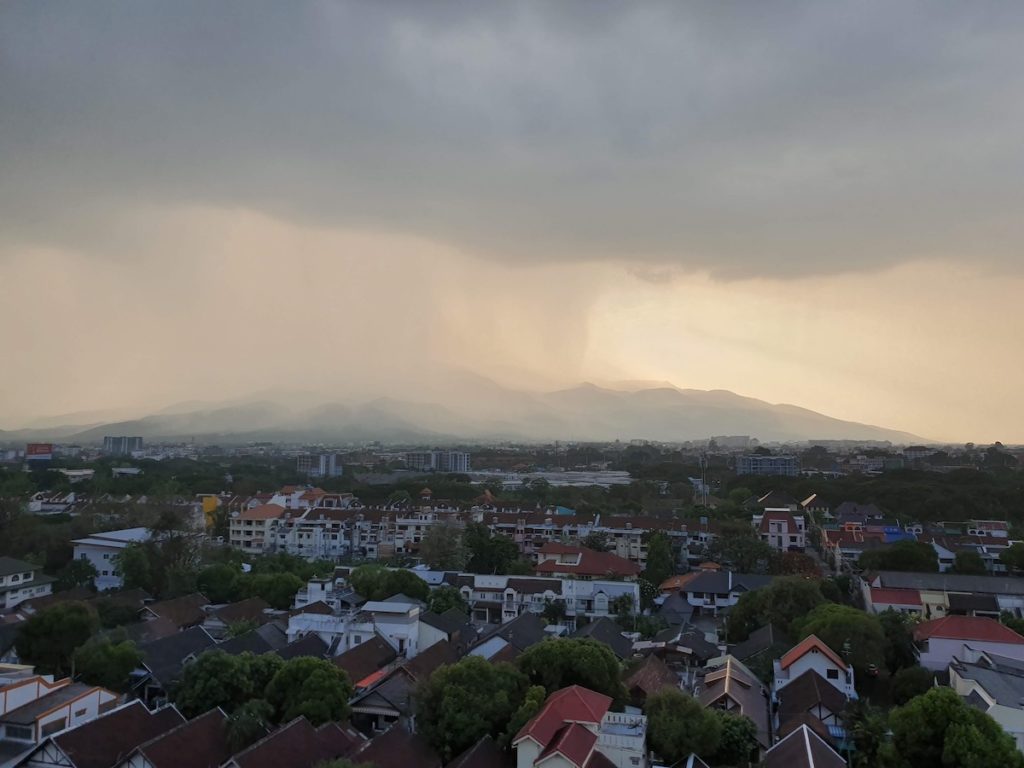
(803, 204)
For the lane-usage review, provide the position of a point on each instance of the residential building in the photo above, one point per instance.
(712, 591)
(298, 743)
(810, 700)
(121, 445)
(102, 551)
(787, 466)
(803, 748)
(438, 461)
(942, 640)
(937, 590)
(575, 723)
(781, 530)
(20, 581)
(395, 621)
(813, 654)
(555, 559)
(728, 685)
(200, 743)
(319, 465)
(250, 530)
(995, 685)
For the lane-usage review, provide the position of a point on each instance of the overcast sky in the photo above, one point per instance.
(815, 203)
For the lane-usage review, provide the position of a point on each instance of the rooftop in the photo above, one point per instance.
(975, 628)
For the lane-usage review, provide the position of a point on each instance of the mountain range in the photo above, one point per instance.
(469, 409)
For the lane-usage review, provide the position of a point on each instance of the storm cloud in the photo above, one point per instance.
(740, 139)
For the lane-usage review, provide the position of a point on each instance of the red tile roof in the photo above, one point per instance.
(786, 517)
(574, 704)
(574, 742)
(967, 628)
(806, 646)
(591, 562)
(884, 596)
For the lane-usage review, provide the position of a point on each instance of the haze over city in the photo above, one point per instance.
(813, 204)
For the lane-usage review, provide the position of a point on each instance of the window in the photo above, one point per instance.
(106, 573)
(832, 674)
(15, 578)
(19, 732)
(80, 712)
(54, 725)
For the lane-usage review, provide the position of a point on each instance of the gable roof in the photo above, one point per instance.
(164, 658)
(803, 748)
(262, 512)
(199, 743)
(250, 609)
(310, 645)
(248, 642)
(484, 754)
(651, 676)
(949, 582)
(733, 680)
(30, 711)
(185, 611)
(806, 691)
(523, 631)
(759, 641)
(574, 704)
(975, 628)
(101, 742)
(605, 631)
(807, 645)
(423, 664)
(300, 745)
(590, 563)
(572, 741)
(396, 746)
(891, 596)
(366, 658)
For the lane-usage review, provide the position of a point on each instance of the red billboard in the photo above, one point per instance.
(39, 451)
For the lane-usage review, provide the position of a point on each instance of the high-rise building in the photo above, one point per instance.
(768, 465)
(437, 461)
(319, 465)
(121, 445)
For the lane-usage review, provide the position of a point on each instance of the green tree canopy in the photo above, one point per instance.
(970, 563)
(219, 582)
(659, 559)
(278, 589)
(102, 662)
(375, 582)
(910, 682)
(853, 634)
(597, 541)
(488, 553)
(445, 598)
(1013, 557)
(738, 742)
(248, 724)
(442, 549)
(559, 662)
(215, 679)
(48, 640)
(678, 726)
(900, 650)
(313, 688)
(787, 600)
(902, 556)
(463, 702)
(939, 729)
(77, 573)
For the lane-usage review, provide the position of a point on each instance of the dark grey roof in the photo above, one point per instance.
(760, 640)
(10, 565)
(1003, 684)
(27, 714)
(723, 582)
(248, 642)
(395, 692)
(164, 658)
(959, 602)
(952, 582)
(607, 632)
(675, 610)
(522, 632)
(310, 645)
(450, 622)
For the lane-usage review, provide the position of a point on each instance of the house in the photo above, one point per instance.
(452, 626)
(651, 676)
(810, 699)
(102, 551)
(995, 685)
(767, 640)
(363, 663)
(163, 662)
(298, 744)
(36, 707)
(803, 748)
(730, 686)
(250, 529)
(713, 591)
(396, 621)
(507, 641)
(607, 632)
(199, 743)
(575, 729)
(940, 640)
(484, 754)
(812, 653)
(20, 581)
(899, 600)
(398, 747)
(252, 610)
(184, 612)
(937, 588)
(555, 559)
(100, 742)
(780, 529)
(310, 645)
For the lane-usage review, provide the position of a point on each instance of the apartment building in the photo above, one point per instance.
(102, 550)
(20, 581)
(782, 530)
(250, 530)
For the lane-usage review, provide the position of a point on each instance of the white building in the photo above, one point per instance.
(395, 621)
(942, 640)
(20, 581)
(438, 461)
(102, 549)
(250, 530)
(993, 684)
(811, 653)
(781, 530)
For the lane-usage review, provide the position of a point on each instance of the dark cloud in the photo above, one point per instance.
(769, 138)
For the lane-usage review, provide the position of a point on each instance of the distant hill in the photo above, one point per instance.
(475, 408)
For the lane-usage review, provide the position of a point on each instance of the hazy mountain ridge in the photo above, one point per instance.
(478, 409)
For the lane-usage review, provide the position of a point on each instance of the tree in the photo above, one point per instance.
(869, 731)
(597, 541)
(248, 724)
(488, 553)
(554, 611)
(738, 740)
(1013, 557)
(463, 702)
(745, 552)
(559, 662)
(313, 688)
(77, 573)
(49, 639)
(531, 705)
(915, 556)
(219, 582)
(102, 662)
(215, 679)
(939, 728)
(375, 582)
(798, 564)
(445, 598)
(113, 613)
(442, 549)
(409, 584)
(135, 568)
(970, 563)
(659, 559)
(853, 634)
(785, 601)
(677, 726)
(900, 650)
(910, 682)
(278, 589)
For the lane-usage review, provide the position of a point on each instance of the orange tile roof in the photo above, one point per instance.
(805, 646)
(262, 512)
(975, 628)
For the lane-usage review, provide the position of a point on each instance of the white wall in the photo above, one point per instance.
(940, 651)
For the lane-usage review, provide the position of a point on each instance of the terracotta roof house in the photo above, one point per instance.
(556, 559)
(942, 639)
(397, 747)
(730, 686)
(101, 742)
(184, 612)
(298, 744)
(803, 748)
(813, 653)
(574, 728)
(365, 660)
(199, 743)
(650, 677)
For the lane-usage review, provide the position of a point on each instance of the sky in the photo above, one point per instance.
(809, 203)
